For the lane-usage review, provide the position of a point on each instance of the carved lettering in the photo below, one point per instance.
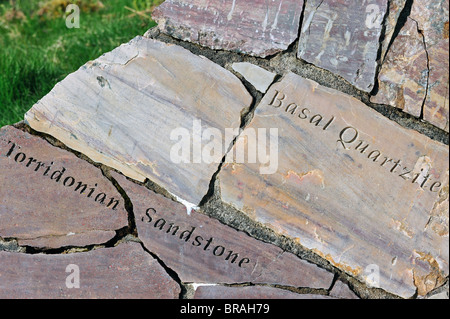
(352, 136)
(277, 99)
(349, 136)
(188, 235)
(59, 176)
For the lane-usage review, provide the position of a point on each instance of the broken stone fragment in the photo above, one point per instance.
(392, 18)
(351, 185)
(414, 74)
(251, 292)
(260, 78)
(343, 37)
(51, 198)
(403, 76)
(254, 27)
(203, 250)
(133, 107)
(122, 272)
(342, 291)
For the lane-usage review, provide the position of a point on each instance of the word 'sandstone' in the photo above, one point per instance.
(200, 249)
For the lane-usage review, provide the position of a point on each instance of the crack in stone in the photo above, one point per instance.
(285, 61)
(421, 117)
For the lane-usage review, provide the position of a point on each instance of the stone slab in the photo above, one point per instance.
(260, 78)
(415, 74)
(51, 198)
(122, 272)
(254, 27)
(203, 250)
(351, 185)
(250, 292)
(403, 75)
(131, 107)
(392, 17)
(342, 291)
(343, 37)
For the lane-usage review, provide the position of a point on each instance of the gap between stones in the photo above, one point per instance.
(380, 49)
(287, 60)
(129, 233)
(212, 206)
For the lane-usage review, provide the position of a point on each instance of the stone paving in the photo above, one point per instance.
(240, 149)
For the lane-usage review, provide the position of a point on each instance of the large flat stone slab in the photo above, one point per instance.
(203, 250)
(122, 272)
(358, 189)
(415, 74)
(51, 198)
(129, 108)
(254, 27)
(343, 37)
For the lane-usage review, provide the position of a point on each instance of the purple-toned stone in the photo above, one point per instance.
(122, 272)
(342, 291)
(51, 198)
(254, 27)
(415, 73)
(250, 292)
(356, 188)
(343, 37)
(203, 250)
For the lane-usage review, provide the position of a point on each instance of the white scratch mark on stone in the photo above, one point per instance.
(230, 14)
(275, 22)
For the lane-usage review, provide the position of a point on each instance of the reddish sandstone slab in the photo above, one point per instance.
(122, 272)
(343, 37)
(355, 187)
(51, 198)
(252, 292)
(403, 76)
(202, 250)
(414, 75)
(253, 27)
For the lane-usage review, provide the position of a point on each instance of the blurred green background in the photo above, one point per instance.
(37, 50)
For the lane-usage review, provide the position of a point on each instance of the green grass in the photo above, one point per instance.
(37, 51)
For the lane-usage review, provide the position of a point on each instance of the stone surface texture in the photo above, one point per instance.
(198, 247)
(260, 78)
(415, 74)
(392, 17)
(342, 291)
(371, 202)
(343, 37)
(254, 27)
(122, 272)
(241, 149)
(128, 108)
(40, 204)
(250, 292)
